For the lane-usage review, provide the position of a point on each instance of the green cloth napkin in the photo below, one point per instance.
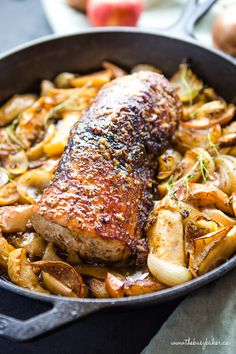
(204, 322)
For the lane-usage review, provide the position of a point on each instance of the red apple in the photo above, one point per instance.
(114, 12)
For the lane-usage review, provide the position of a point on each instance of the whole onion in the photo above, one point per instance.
(77, 4)
(224, 30)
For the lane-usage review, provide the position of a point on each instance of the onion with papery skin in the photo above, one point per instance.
(224, 30)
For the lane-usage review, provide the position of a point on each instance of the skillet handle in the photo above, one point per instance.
(194, 10)
(62, 312)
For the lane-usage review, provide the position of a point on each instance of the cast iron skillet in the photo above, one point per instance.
(21, 69)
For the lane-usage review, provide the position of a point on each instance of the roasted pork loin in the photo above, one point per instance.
(100, 196)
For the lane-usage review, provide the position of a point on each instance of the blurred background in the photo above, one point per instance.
(24, 20)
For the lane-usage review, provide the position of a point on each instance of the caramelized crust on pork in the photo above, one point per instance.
(100, 196)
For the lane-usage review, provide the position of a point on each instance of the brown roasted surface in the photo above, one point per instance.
(101, 194)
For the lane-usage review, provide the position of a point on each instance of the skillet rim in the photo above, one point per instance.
(158, 296)
(110, 29)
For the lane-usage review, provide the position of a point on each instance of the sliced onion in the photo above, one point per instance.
(219, 216)
(209, 250)
(18, 163)
(167, 163)
(9, 194)
(116, 70)
(166, 272)
(234, 202)
(201, 123)
(14, 218)
(5, 249)
(145, 67)
(226, 165)
(62, 80)
(97, 79)
(46, 85)
(32, 184)
(14, 106)
(186, 83)
(226, 117)
(228, 140)
(37, 151)
(31, 241)
(21, 272)
(210, 108)
(205, 195)
(58, 142)
(4, 177)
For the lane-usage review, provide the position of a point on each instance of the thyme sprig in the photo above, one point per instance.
(215, 147)
(10, 137)
(172, 186)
